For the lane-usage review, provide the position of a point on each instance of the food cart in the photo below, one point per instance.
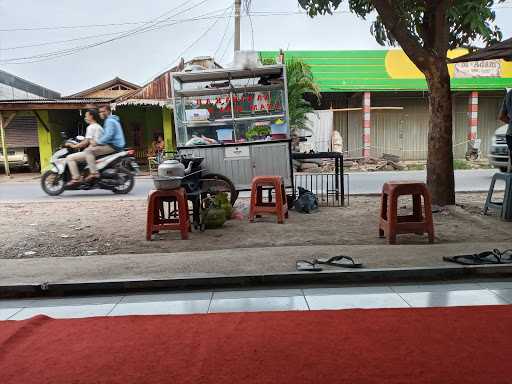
(236, 120)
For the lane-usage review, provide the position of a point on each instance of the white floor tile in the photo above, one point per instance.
(442, 287)
(74, 301)
(505, 294)
(347, 300)
(347, 290)
(5, 313)
(502, 284)
(259, 304)
(64, 312)
(15, 303)
(161, 308)
(452, 298)
(162, 297)
(257, 293)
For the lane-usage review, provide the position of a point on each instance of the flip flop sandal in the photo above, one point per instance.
(488, 257)
(338, 261)
(505, 256)
(307, 266)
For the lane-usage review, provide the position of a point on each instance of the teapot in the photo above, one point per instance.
(173, 168)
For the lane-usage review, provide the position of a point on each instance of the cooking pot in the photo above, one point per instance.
(167, 182)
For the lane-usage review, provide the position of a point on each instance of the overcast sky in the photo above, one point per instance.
(141, 56)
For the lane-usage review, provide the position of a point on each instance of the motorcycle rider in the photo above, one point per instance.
(111, 141)
(92, 134)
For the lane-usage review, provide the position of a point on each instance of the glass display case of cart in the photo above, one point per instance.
(230, 106)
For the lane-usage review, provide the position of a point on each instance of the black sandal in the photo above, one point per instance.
(505, 256)
(307, 266)
(483, 258)
(337, 261)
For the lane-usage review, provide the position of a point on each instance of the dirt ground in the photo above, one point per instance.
(118, 227)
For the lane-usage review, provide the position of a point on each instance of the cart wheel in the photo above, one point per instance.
(220, 183)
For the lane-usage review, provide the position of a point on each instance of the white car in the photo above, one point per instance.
(16, 156)
(498, 152)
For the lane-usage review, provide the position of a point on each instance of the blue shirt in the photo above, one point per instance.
(112, 133)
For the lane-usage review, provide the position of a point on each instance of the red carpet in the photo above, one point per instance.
(433, 345)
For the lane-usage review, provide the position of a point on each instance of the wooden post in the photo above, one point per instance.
(3, 125)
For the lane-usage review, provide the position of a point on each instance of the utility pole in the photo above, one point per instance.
(238, 6)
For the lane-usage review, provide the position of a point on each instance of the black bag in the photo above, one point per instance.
(306, 202)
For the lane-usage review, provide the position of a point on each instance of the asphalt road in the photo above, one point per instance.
(358, 183)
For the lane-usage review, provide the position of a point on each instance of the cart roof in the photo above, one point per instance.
(227, 73)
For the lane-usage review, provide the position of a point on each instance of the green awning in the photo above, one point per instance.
(383, 70)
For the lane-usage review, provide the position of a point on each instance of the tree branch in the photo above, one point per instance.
(440, 27)
(393, 22)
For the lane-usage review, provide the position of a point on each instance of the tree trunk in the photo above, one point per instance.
(440, 178)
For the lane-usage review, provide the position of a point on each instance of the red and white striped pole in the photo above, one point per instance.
(473, 116)
(366, 124)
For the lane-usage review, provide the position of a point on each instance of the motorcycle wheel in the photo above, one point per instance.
(126, 187)
(52, 183)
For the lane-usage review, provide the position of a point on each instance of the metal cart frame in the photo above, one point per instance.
(239, 161)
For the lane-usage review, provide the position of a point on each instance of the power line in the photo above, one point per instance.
(84, 26)
(201, 17)
(69, 51)
(225, 31)
(20, 29)
(206, 16)
(187, 48)
(227, 46)
(60, 41)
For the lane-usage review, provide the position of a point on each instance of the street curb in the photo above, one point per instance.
(366, 276)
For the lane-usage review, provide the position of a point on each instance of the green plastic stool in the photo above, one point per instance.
(504, 208)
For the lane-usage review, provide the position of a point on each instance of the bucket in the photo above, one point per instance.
(225, 134)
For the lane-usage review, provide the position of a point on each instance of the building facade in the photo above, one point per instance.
(379, 100)
(21, 134)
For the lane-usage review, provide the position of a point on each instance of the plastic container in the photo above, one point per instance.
(225, 134)
(279, 128)
(197, 114)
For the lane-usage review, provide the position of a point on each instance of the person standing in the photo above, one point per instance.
(506, 117)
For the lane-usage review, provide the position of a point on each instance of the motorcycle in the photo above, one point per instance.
(117, 172)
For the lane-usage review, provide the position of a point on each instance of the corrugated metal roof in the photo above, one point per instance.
(25, 85)
(160, 87)
(372, 70)
(106, 85)
(63, 100)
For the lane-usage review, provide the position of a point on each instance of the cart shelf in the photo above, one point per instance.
(227, 91)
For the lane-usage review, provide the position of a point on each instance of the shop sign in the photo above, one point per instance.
(247, 103)
(486, 68)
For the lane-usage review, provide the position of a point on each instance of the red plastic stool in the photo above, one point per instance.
(419, 222)
(156, 220)
(278, 208)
